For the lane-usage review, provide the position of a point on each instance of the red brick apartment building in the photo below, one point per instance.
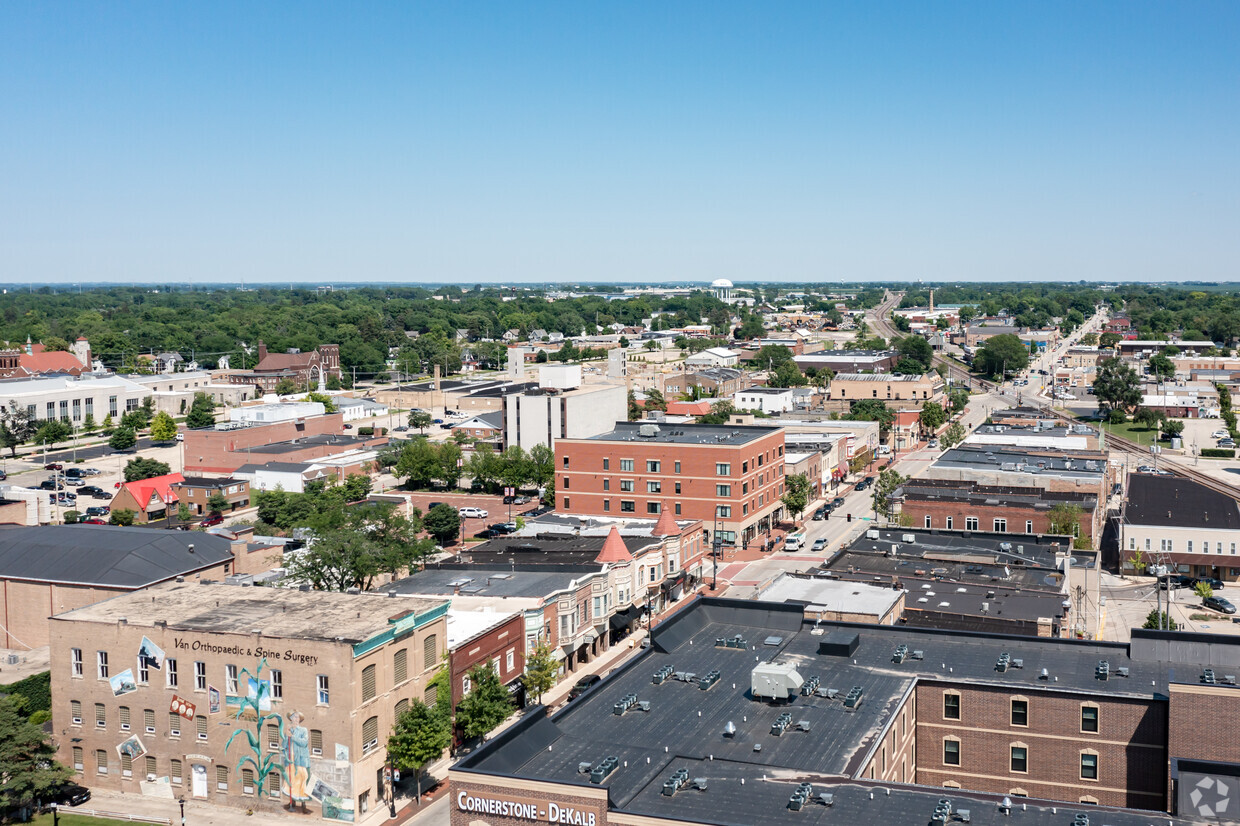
(730, 474)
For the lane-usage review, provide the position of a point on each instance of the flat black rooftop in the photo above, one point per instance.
(687, 434)
(1034, 460)
(1171, 501)
(964, 547)
(684, 727)
(490, 580)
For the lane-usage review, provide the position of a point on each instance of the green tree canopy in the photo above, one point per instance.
(917, 349)
(443, 523)
(1117, 386)
(123, 438)
(163, 428)
(541, 670)
(796, 494)
(30, 769)
(771, 357)
(486, 705)
(999, 353)
(420, 419)
(122, 516)
(419, 738)
(932, 416)
(52, 431)
(142, 468)
(201, 412)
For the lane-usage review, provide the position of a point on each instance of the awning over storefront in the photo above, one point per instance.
(672, 580)
(591, 636)
(626, 618)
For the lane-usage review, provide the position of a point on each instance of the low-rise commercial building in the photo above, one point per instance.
(899, 391)
(196, 492)
(161, 692)
(952, 504)
(850, 723)
(1174, 521)
(54, 568)
(849, 361)
(74, 398)
(769, 400)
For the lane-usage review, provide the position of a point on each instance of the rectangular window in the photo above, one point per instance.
(170, 672)
(200, 676)
(221, 778)
(949, 523)
(723, 469)
(273, 737)
(1190, 547)
(1147, 543)
(510, 660)
(951, 706)
(1089, 767)
(101, 664)
(678, 509)
(122, 714)
(112, 406)
(201, 724)
(627, 506)
(1020, 712)
(90, 405)
(677, 466)
(567, 503)
(654, 487)
(566, 482)
(316, 742)
(78, 758)
(101, 761)
(927, 520)
(75, 710)
(150, 767)
(230, 680)
(626, 485)
(148, 720)
(370, 735)
(970, 523)
(368, 682)
(77, 410)
(653, 507)
(606, 464)
(1000, 526)
(677, 488)
(1020, 759)
(1028, 526)
(126, 765)
(51, 410)
(951, 752)
(606, 484)
(101, 715)
(144, 671)
(723, 491)
(606, 505)
(653, 466)
(626, 465)
(430, 651)
(273, 785)
(566, 463)
(277, 684)
(723, 511)
(323, 692)
(175, 772)
(174, 724)
(400, 665)
(76, 657)
(1089, 719)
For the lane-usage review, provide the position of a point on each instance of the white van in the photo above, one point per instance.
(794, 542)
(884, 450)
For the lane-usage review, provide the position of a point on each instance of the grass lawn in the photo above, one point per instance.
(69, 819)
(1138, 433)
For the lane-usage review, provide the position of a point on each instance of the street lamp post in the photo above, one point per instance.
(181, 800)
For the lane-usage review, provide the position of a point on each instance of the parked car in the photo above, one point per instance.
(836, 502)
(1215, 584)
(489, 533)
(94, 520)
(865, 483)
(53, 466)
(1226, 442)
(74, 473)
(402, 429)
(584, 684)
(1220, 434)
(516, 500)
(933, 443)
(75, 481)
(3, 476)
(91, 471)
(89, 490)
(51, 484)
(212, 519)
(821, 513)
(1219, 604)
(504, 527)
(66, 499)
(348, 426)
(820, 544)
(101, 494)
(70, 794)
(473, 513)
(97, 510)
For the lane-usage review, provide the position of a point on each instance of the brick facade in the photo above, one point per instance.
(1130, 745)
(592, 476)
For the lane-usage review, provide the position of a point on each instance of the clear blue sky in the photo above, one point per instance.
(643, 141)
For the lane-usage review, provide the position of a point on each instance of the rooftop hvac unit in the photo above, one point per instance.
(648, 430)
(871, 534)
(909, 538)
(775, 681)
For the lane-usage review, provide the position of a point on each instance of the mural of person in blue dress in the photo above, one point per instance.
(297, 761)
